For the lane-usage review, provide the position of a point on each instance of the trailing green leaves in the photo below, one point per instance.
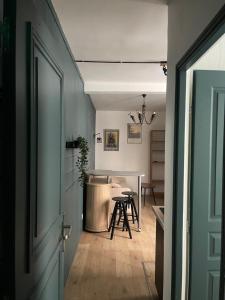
(82, 160)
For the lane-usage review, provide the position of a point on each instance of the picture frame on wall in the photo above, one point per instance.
(134, 133)
(111, 139)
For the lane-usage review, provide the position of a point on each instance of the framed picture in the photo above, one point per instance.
(134, 133)
(111, 139)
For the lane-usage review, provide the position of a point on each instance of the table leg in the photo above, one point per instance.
(153, 193)
(139, 203)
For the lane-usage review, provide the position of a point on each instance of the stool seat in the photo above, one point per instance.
(129, 193)
(120, 199)
(130, 203)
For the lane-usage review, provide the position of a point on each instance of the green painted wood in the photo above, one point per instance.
(206, 183)
(49, 120)
(54, 61)
(46, 216)
(212, 33)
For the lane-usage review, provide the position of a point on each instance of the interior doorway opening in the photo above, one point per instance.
(123, 267)
(212, 60)
(202, 62)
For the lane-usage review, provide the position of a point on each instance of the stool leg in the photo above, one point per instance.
(126, 221)
(114, 223)
(144, 195)
(123, 225)
(113, 216)
(135, 209)
(120, 215)
(126, 205)
(153, 194)
(132, 212)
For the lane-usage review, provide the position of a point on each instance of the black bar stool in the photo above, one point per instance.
(120, 206)
(146, 186)
(130, 202)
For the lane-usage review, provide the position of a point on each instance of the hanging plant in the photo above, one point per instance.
(82, 160)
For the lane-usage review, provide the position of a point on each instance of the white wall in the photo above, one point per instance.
(187, 19)
(130, 157)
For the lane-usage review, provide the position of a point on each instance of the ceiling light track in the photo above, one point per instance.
(122, 62)
(162, 64)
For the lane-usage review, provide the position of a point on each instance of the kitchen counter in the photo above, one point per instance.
(159, 213)
(159, 250)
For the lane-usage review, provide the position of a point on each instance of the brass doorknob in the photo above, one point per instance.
(67, 229)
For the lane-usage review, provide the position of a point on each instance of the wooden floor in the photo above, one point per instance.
(115, 270)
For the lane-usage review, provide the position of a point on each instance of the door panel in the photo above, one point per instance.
(45, 220)
(49, 286)
(48, 145)
(206, 183)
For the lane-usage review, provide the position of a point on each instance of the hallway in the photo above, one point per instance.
(118, 269)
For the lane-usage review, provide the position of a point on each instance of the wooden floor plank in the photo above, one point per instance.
(114, 270)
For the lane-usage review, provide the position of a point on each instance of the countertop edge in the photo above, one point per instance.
(159, 215)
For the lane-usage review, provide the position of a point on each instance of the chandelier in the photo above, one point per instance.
(141, 115)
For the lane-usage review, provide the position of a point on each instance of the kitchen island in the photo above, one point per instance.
(159, 250)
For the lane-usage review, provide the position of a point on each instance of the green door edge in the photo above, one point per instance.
(209, 36)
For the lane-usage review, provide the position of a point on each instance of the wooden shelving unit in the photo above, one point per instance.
(157, 160)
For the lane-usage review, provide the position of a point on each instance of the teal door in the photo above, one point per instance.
(45, 259)
(206, 184)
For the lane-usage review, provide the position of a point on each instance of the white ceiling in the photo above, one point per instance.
(115, 30)
(128, 102)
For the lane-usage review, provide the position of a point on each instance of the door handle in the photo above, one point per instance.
(67, 229)
(66, 233)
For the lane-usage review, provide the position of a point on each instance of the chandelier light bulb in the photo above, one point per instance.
(141, 115)
(153, 116)
(132, 117)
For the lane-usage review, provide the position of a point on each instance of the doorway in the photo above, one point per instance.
(198, 246)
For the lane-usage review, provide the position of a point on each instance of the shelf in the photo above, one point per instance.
(157, 181)
(157, 146)
(158, 135)
(157, 156)
(158, 142)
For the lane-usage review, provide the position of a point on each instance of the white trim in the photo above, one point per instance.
(187, 144)
(91, 87)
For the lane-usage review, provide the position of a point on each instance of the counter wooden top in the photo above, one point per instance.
(114, 173)
(159, 213)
